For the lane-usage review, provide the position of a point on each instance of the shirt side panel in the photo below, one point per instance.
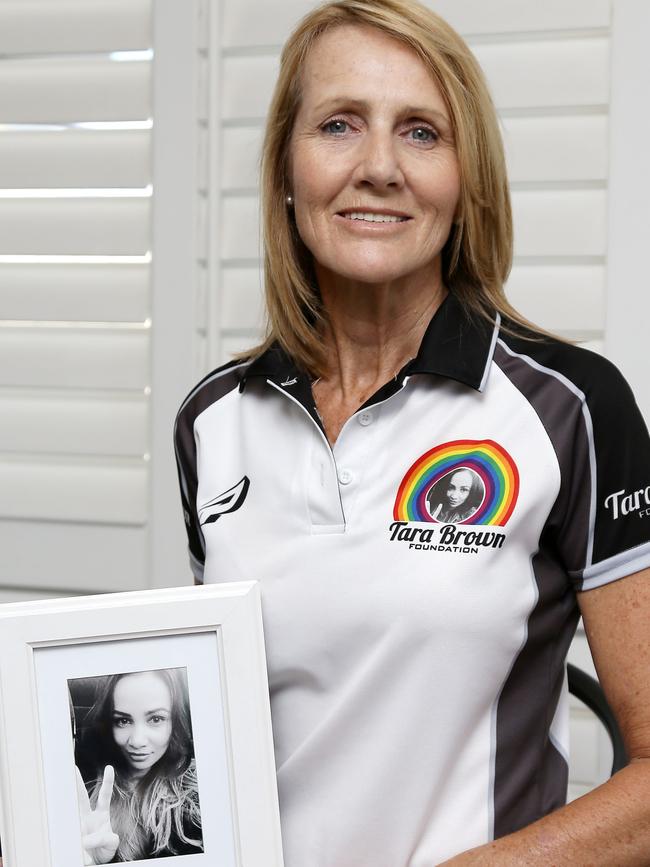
(530, 771)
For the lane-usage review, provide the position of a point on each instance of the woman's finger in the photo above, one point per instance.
(100, 840)
(106, 791)
(82, 794)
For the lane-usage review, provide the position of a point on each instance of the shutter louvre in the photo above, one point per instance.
(63, 90)
(75, 158)
(73, 26)
(75, 226)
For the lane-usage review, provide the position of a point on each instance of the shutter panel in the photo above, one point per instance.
(75, 242)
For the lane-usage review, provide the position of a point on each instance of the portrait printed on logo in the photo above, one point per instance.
(456, 496)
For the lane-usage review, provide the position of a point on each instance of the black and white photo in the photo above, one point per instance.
(136, 769)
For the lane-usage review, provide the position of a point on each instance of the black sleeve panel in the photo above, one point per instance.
(622, 456)
(210, 389)
(600, 523)
(185, 449)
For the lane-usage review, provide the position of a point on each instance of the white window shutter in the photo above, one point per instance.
(75, 253)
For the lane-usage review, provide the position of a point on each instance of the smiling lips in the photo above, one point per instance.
(371, 216)
(374, 221)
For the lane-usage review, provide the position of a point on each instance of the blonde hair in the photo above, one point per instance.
(477, 256)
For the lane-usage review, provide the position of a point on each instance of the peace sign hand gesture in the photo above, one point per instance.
(97, 837)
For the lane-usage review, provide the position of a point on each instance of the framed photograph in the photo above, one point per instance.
(136, 727)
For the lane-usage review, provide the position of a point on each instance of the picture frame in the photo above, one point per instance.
(210, 639)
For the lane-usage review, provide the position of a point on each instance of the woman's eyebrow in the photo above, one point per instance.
(363, 104)
(121, 713)
(157, 710)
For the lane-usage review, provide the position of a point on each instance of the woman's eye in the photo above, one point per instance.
(330, 123)
(156, 720)
(120, 722)
(430, 135)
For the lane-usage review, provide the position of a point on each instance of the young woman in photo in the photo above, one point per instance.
(140, 799)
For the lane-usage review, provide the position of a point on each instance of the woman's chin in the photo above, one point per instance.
(373, 275)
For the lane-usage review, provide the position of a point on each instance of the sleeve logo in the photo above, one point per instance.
(222, 504)
(621, 503)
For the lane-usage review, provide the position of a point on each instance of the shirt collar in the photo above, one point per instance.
(455, 345)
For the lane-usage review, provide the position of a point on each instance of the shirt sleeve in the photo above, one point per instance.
(604, 534)
(186, 463)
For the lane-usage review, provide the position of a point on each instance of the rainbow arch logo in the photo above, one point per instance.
(488, 460)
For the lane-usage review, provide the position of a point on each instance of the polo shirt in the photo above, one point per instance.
(417, 666)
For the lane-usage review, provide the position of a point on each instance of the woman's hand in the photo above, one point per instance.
(97, 837)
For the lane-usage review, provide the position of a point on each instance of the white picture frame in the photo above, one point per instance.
(215, 633)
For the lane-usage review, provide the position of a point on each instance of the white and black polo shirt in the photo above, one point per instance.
(419, 578)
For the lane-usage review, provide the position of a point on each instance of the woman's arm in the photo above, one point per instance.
(610, 825)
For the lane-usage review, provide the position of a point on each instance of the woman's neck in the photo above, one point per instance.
(372, 332)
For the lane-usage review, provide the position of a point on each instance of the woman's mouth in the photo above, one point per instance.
(372, 217)
(363, 221)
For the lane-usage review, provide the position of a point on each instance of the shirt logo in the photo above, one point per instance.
(622, 503)
(222, 504)
(464, 481)
(457, 482)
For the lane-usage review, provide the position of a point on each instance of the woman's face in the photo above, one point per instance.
(372, 133)
(459, 488)
(142, 719)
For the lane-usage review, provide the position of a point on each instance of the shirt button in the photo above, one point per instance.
(345, 477)
(365, 418)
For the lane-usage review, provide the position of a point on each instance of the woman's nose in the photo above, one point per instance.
(138, 736)
(379, 162)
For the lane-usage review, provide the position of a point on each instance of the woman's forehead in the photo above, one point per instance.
(140, 689)
(359, 63)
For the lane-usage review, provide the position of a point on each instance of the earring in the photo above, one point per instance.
(289, 200)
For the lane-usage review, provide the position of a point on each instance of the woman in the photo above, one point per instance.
(416, 669)
(463, 494)
(141, 800)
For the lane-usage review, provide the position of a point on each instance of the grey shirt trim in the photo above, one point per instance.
(490, 355)
(618, 566)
